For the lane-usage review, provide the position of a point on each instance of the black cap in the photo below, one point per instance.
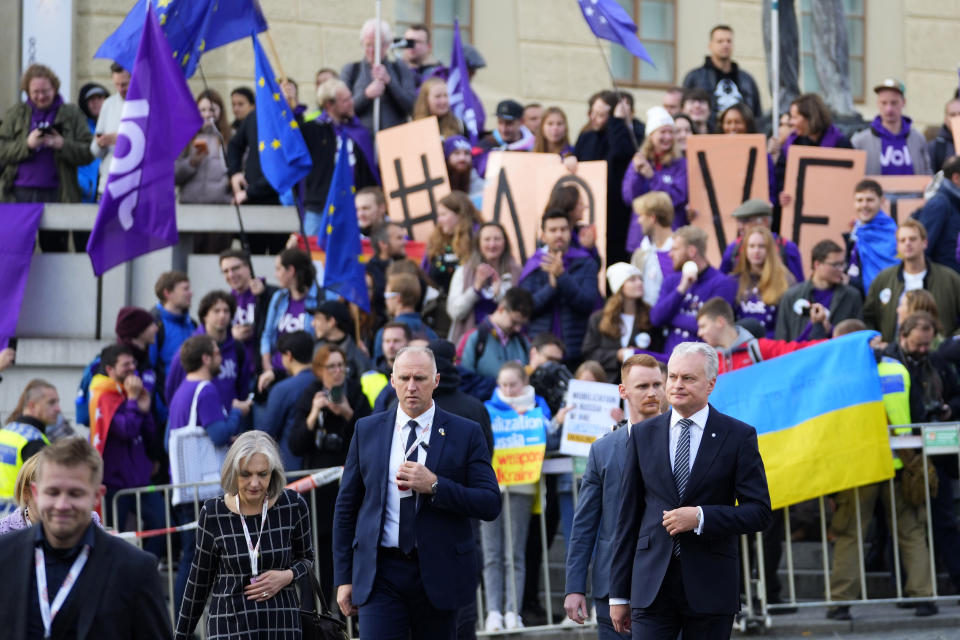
(509, 110)
(336, 310)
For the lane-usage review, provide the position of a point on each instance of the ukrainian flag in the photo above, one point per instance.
(819, 416)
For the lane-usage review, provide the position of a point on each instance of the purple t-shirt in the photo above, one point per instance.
(209, 407)
(246, 314)
(39, 169)
(823, 296)
(293, 319)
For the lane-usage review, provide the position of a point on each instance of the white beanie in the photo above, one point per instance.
(618, 273)
(657, 117)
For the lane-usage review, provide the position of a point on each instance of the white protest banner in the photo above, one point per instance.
(589, 418)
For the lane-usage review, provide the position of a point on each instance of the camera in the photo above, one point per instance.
(329, 442)
(336, 394)
(403, 43)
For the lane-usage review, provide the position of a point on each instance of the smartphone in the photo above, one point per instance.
(336, 394)
(200, 145)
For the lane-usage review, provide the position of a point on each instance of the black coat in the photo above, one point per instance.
(303, 441)
(116, 597)
(321, 139)
(243, 157)
(602, 348)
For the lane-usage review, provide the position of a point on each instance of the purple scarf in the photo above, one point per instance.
(831, 137)
(355, 130)
(573, 253)
(895, 157)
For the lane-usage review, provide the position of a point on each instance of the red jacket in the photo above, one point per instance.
(747, 352)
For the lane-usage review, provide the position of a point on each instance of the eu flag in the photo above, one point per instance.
(608, 20)
(192, 27)
(284, 157)
(340, 236)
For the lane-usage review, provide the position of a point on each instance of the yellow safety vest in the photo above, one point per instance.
(13, 438)
(895, 383)
(372, 383)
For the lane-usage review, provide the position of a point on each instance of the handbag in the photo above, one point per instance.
(195, 459)
(321, 624)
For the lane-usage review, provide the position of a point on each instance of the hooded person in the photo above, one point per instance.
(458, 153)
(90, 99)
(893, 146)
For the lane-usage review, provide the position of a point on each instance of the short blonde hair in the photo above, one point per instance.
(327, 92)
(26, 475)
(693, 237)
(246, 446)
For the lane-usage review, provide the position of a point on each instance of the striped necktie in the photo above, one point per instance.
(681, 468)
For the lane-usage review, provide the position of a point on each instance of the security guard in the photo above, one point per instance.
(24, 435)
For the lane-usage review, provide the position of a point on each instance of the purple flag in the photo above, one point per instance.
(463, 101)
(20, 222)
(138, 210)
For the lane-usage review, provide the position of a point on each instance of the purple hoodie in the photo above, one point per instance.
(671, 179)
(39, 170)
(895, 158)
(676, 313)
(234, 378)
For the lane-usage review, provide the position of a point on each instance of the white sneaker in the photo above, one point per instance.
(494, 621)
(512, 621)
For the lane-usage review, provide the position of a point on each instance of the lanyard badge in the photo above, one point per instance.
(253, 551)
(49, 611)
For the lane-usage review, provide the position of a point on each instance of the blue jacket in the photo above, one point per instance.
(278, 306)
(494, 352)
(88, 176)
(595, 521)
(941, 217)
(176, 329)
(467, 489)
(417, 328)
(280, 412)
(575, 298)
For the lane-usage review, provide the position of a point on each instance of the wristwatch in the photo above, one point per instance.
(434, 486)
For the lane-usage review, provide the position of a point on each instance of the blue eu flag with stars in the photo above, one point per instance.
(192, 27)
(284, 157)
(608, 20)
(343, 273)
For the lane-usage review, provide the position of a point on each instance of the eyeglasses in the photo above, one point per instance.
(837, 265)
(334, 366)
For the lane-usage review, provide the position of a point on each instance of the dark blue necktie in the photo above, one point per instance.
(681, 468)
(407, 538)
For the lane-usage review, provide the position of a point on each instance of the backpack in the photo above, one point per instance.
(82, 401)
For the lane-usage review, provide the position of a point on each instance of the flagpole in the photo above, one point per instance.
(377, 53)
(616, 90)
(276, 56)
(775, 65)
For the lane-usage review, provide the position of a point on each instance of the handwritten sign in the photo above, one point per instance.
(904, 194)
(519, 443)
(590, 417)
(820, 183)
(414, 174)
(723, 172)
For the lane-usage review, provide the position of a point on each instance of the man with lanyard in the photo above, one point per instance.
(596, 515)
(80, 581)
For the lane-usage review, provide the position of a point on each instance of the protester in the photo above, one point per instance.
(533, 116)
(673, 101)
(481, 282)
(279, 417)
(893, 147)
(24, 434)
(463, 176)
(108, 124)
(292, 94)
(808, 310)
(324, 416)
(915, 271)
(389, 242)
(510, 134)
(563, 282)
(287, 313)
(390, 80)
(594, 522)
(252, 296)
(872, 243)
(247, 181)
(569, 199)
(371, 209)
(606, 137)
(686, 289)
(258, 594)
(655, 213)
(332, 325)
(752, 213)
(201, 169)
(391, 528)
(762, 278)
(217, 309)
(113, 592)
(696, 106)
(940, 216)
(513, 407)
(433, 100)
(242, 102)
(419, 52)
(683, 129)
(499, 338)
(941, 147)
(90, 100)
(737, 119)
(622, 328)
(657, 166)
(172, 314)
(402, 295)
(812, 126)
(553, 134)
(448, 247)
(720, 76)
(197, 404)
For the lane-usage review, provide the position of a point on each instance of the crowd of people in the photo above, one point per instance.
(285, 373)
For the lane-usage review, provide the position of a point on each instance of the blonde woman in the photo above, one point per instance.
(762, 278)
(433, 100)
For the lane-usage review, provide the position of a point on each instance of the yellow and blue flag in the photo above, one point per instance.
(284, 157)
(192, 27)
(819, 415)
(339, 237)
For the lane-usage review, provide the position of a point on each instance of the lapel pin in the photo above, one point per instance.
(713, 435)
(442, 432)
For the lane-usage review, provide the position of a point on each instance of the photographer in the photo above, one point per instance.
(322, 429)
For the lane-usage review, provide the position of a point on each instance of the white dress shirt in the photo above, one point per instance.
(398, 447)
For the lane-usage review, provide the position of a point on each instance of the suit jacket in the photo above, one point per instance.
(119, 585)
(467, 489)
(727, 481)
(594, 523)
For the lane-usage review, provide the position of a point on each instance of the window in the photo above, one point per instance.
(439, 16)
(656, 28)
(855, 13)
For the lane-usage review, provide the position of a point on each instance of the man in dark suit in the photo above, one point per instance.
(402, 539)
(693, 481)
(99, 586)
(595, 521)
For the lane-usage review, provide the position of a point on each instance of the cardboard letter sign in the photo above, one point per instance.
(723, 172)
(414, 174)
(903, 193)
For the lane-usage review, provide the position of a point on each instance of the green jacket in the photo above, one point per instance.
(880, 307)
(75, 152)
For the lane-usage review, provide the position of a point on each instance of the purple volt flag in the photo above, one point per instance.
(463, 101)
(138, 210)
(20, 222)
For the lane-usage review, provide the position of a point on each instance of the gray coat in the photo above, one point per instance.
(869, 141)
(396, 103)
(846, 303)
